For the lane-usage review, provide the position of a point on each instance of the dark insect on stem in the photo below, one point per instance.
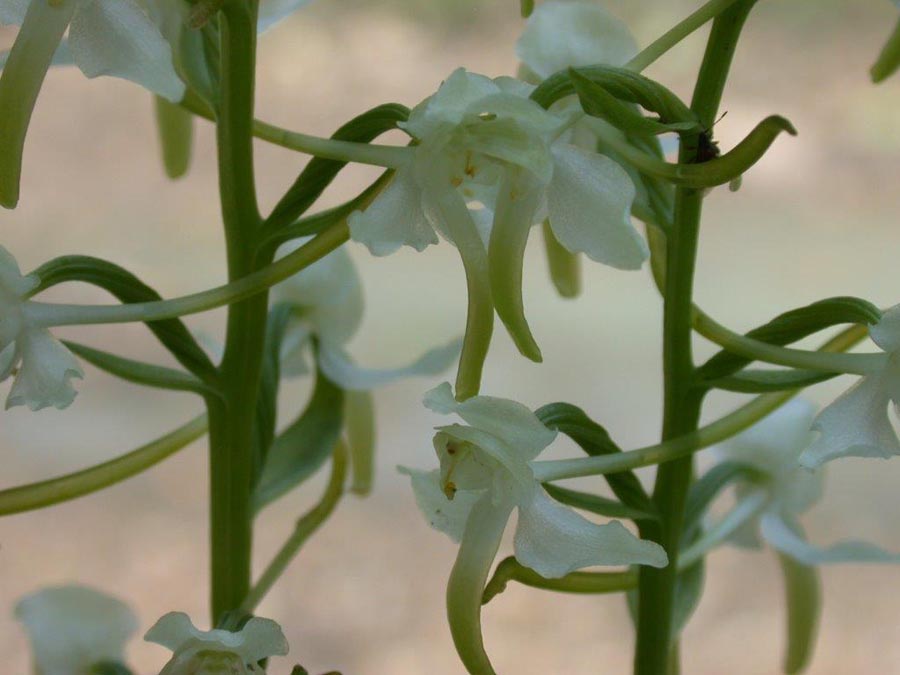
(707, 148)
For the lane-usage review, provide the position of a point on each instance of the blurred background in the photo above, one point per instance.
(816, 217)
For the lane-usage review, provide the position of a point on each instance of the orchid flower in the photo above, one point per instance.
(484, 143)
(770, 505)
(217, 650)
(42, 367)
(857, 424)
(329, 296)
(485, 474)
(73, 629)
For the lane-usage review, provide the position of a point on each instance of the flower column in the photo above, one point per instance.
(682, 398)
(231, 420)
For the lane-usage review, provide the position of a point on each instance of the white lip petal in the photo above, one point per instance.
(45, 373)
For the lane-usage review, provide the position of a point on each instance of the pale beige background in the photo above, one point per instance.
(816, 217)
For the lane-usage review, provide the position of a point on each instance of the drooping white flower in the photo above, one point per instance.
(329, 296)
(857, 423)
(784, 489)
(568, 34)
(484, 143)
(217, 650)
(41, 365)
(74, 628)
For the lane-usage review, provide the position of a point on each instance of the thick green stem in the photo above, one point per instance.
(231, 423)
(682, 399)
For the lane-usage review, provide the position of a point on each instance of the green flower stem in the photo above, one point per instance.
(64, 488)
(679, 32)
(747, 508)
(511, 569)
(304, 529)
(388, 156)
(859, 364)
(231, 421)
(254, 283)
(676, 448)
(682, 398)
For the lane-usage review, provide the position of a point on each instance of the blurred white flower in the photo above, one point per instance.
(217, 650)
(41, 365)
(73, 628)
(857, 423)
(783, 490)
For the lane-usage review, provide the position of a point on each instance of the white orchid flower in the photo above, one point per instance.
(485, 474)
(72, 629)
(770, 506)
(857, 423)
(330, 297)
(41, 365)
(217, 650)
(484, 143)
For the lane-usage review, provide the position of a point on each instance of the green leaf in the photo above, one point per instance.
(622, 84)
(803, 593)
(792, 326)
(595, 440)
(596, 101)
(301, 449)
(139, 372)
(602, 506)
(119, 282)
(889, 59)
(319, 173)
(704, 491)
(752, 381)
(176, 132)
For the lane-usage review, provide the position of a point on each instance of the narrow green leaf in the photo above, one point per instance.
(319, 173)
(359, 414)
(803, 593)
(125, 286)
(565, 266)
(709, 486)
(601, 506)
(889, 59)
(596, 101)
(301, 449)
(175, 126)
(792, 326)
(752, 381)
(138, 372)
(595, 440)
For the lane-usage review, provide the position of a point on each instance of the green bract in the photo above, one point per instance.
(217, 650)
(73, 629)
(42, 367)
(786, 490)
(857, 423)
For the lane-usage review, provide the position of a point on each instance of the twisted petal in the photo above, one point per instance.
(72, 628)
(570, 34)
(554, 540)
(44, 377)
(341, 370)
(589, 206)
(787, 536)
(118, 38)
(394, 219)
(854, 425)
(507, 420)
(446, 515)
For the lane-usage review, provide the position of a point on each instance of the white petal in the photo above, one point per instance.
(261, 638)
(118, 38)
(589, 206)
(886, 333)
(72, 628)
(44, 376)
(341, 370)
(258, 639)
(511, 422)
(570, 34)
(787, 537)
(394, 219)
(446, 515)
(854, 425)
(172, 630)
(554, 540)
(8, 358)
(273, 11)
(449, 104)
